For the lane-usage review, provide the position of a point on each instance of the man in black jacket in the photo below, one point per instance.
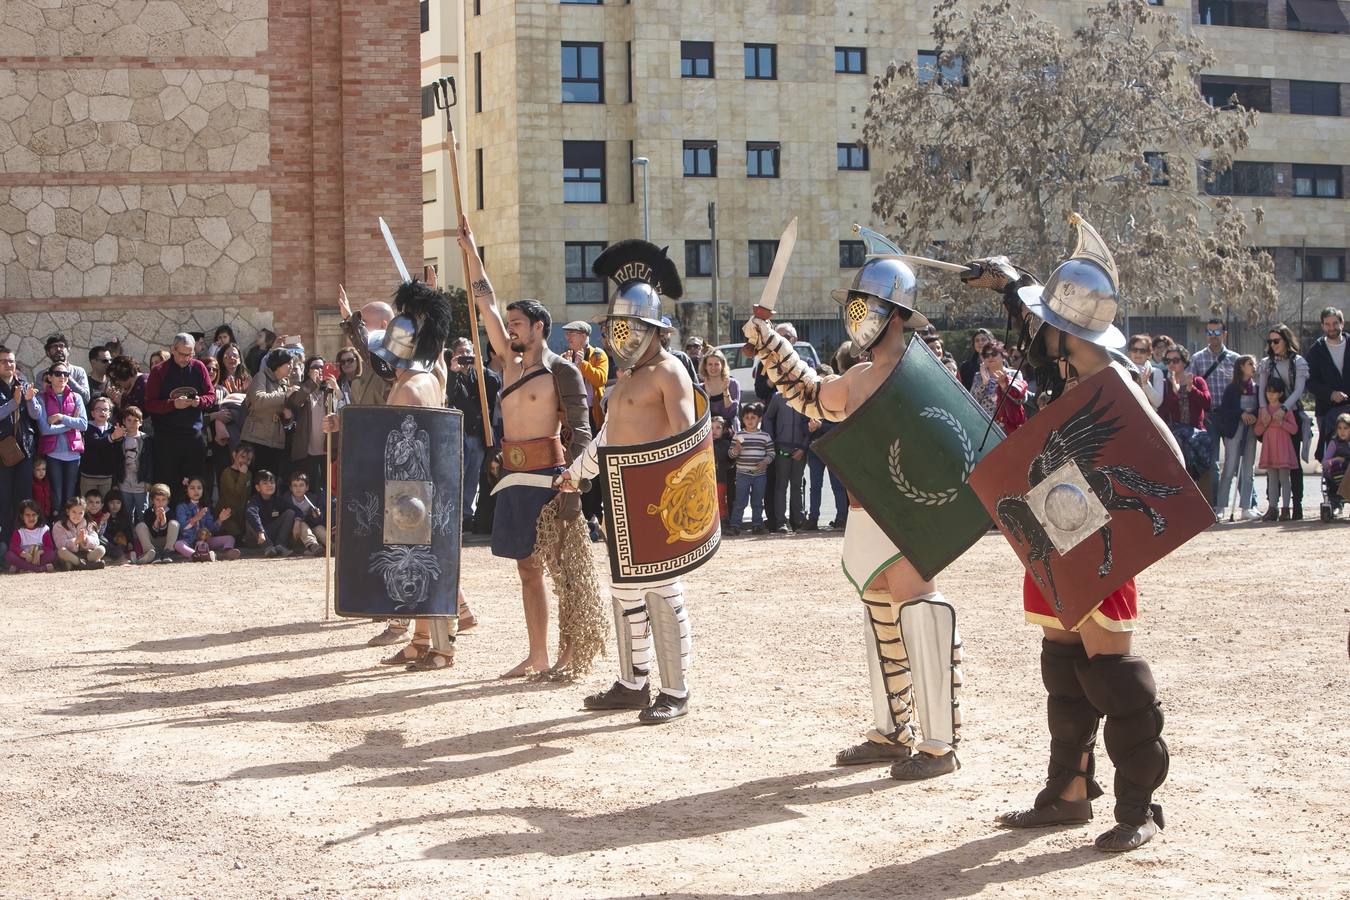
(1328, 377)
(19, 412)
(461, 393)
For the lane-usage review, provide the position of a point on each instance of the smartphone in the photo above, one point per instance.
(330, 370)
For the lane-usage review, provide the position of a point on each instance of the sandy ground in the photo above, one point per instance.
(193, 731)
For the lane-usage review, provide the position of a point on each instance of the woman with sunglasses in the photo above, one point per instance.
(349, 369)
(1151, 374)
(998, 389)
(62, 426)
(1283, 361)
(1186, 401)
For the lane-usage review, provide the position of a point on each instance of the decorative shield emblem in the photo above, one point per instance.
(1089, 494)
(905, 455)
(399, 520)
(663, 503)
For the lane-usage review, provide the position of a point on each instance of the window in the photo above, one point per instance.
(1316, 15)
(1245, 179)
(851, 157)
(761, 257)
(1315, 98)
(698, 259)
(700, 159)
(428, 101)
(1220, 94)
(583, 171)
(478, 82)
(425, 9)
(761, 61)
(433, 263)
(582, 2)
(1317, 181)
(952, 71)
(852, 254)
(478, 175)
(1320, 265)
(477, 7)
(429, 186)
(1237, 13)
(1157, 167)
(696, 59)
(761, 159)
(583, 73)
(850, 60)
(583, 285)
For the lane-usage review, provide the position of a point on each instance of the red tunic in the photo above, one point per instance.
(1115, 613)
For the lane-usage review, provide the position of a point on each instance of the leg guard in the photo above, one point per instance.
(1072, 719)
(633, 631)
(671, 635)
(888, 671)
(1122, 688)
(930, 639)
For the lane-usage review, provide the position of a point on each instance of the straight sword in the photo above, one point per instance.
(393, 251)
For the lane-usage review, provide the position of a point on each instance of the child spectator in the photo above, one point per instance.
(102, 455)
(30, 547)
(1337, 455)
(42, 489)
(199, 529)
(724, 465)
(1276, 426)
(309, 533)
(1235, 420)
(94, 511)
(752, 449)
(76, 539)
(268, 521)
(62, 428)
(134, 482)
(234, 488)
(157, 532)
(118, 533)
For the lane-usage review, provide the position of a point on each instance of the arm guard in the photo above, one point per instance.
(794, 379)
(587, 464)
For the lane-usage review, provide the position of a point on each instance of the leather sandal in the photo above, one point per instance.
(871, 753)
(409, 653)
(1125, 837)
(1057, 812)
(925, 765)
(431, 661)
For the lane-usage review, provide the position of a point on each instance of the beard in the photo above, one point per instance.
(517, 346)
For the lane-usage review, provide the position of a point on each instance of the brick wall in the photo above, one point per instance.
(342, 128)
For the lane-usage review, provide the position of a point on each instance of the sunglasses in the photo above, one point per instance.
(1172, 359)
(346, 360)
(1139, 349)
(1214, 332)
(991, 355)
(59, 374)
(1275, 341)
(316, 368)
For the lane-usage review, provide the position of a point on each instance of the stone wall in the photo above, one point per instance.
(169, 165)
(133, 120)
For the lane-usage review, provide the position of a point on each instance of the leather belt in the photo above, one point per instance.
(527, 456)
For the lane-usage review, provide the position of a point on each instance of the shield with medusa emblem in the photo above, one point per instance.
(399, 518)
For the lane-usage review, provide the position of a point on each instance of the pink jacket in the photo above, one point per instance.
(66, 407)
(1274, 427)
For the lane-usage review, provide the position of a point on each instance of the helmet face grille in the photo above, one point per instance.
(856, 310)
(620, 331)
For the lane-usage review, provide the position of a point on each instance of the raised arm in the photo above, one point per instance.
(482, 294)
(801, 387)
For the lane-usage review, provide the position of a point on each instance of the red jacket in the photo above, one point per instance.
(1200, 400)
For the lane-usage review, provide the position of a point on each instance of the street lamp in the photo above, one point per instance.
(646, 217)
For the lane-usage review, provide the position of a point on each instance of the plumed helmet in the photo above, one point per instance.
(1081, 295)
(642, 274)
(417, 336)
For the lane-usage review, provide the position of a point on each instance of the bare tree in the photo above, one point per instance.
(1013, 124)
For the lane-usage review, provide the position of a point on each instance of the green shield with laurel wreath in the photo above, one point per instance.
(905, 455)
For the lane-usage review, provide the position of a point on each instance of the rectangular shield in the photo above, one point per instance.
(905, 455)
(1089, 494)
(663, 503)
(399, 516)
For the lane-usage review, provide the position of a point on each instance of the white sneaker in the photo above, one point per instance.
(1221, 513)
(1250, 515)
(147, 557)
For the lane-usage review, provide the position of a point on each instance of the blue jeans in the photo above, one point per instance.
(136, 502)
(474, 452)
(1215, 442)
(64, 475)
(749, 488)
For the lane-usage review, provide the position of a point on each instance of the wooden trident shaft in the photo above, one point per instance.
(447, 96)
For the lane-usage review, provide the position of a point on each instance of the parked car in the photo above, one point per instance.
(743, 364)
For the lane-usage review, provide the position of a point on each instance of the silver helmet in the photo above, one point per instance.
(883, 286)
(398, 346)
(1081, 295)
(416, 337)
(642, 273)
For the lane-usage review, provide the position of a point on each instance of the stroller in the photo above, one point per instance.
(1333, 472)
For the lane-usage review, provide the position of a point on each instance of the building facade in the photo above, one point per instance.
(171, 166)
(757, 107)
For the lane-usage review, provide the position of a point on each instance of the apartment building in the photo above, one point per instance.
(757, 108)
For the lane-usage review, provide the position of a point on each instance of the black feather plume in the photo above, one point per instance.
(430, 308)
(639, 260)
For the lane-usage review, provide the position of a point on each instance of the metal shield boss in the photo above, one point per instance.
(1089, 494)
(905, 455)
(664, 519)
(399, 516)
